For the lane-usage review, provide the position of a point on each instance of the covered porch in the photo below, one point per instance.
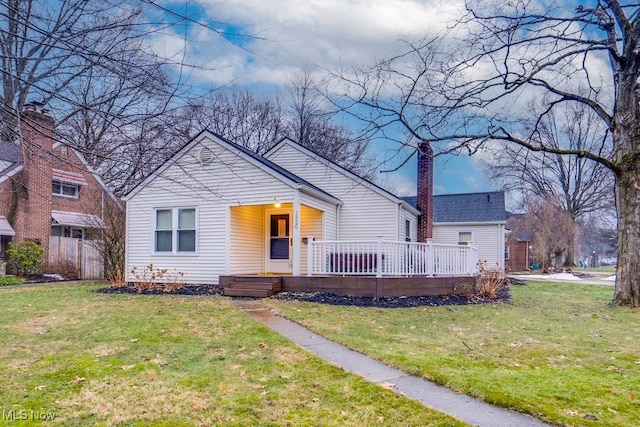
(268, 238)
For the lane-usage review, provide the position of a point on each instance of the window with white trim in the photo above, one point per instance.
(465, 238)
(407, 230)
(175, 230)
(64, 189)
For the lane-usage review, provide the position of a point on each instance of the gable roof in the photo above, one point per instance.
(470, 207)
(259, 161)
(467, 208)
(10, 164)
(9, 152)
(9, 160)
(365, 182)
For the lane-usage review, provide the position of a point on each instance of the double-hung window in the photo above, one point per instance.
(175, 230)
(65, 189)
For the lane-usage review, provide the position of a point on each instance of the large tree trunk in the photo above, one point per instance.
(627, 290)
(626, 131)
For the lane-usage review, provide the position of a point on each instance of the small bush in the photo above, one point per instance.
(490, 281)
(151, 279)
(67, 269)
(10, 281)
(25, 258)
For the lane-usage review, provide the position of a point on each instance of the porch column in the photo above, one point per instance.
(297, 239)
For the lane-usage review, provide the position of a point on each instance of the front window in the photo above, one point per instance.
(65, 189)
(175, 230)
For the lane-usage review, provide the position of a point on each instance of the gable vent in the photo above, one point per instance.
(206, 156)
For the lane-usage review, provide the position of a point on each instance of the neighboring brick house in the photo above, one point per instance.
(517, 256)
(46, 187)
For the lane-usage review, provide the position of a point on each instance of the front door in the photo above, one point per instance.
(279, 241)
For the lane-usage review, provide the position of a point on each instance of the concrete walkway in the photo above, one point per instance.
(465, 408)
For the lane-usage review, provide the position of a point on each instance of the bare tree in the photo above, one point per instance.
(463, 90)
(244, 117)
(553, 230)
(311, 123)
(579, 185)
(74, 55)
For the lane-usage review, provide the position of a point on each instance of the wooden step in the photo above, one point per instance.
(254, 285)
(259, 279)
(251, 285)
(246, 292)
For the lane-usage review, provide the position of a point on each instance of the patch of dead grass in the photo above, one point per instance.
(126, 399)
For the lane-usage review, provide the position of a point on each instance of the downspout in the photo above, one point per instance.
(399, 222)
(338, 222)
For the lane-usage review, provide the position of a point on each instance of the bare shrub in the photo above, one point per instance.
(67, 269)
(490, 281)
(151, 278)
(117, 279)
(173, 281)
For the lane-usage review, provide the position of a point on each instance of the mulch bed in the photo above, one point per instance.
(503, 296)
(185, 290)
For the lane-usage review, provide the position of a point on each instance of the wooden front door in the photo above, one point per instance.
(279, 241)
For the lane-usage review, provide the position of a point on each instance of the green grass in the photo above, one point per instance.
(10, 280)
(558, 352)
(133, 360)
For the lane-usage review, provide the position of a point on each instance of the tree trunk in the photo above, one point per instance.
(627, 292)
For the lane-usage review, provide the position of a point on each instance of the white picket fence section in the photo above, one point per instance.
(390, 258)
(84, 254)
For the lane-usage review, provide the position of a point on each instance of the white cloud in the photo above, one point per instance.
(294, 35)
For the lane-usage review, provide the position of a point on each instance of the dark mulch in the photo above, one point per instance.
(186, 290)
(503, 296)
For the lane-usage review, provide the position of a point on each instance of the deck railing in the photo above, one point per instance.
(390, 258)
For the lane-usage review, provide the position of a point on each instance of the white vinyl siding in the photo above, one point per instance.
(365, 213)
(413, 226)
(246, 247)
(488, 238)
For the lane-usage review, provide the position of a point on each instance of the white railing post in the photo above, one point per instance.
(473, 260)
(310, 255)
(379, 257)
(430, 259)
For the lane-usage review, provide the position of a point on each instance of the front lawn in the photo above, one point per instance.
(78, 358)
(558, 351)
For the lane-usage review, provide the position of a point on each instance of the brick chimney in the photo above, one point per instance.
(33, 186)
(425, 192)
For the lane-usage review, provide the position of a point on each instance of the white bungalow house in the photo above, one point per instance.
(217, 209)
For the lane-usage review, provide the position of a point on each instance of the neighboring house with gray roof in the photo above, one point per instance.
(477, 219)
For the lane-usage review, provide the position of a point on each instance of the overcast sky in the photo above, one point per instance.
(271, 41)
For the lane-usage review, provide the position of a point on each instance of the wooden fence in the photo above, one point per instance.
(84, 254)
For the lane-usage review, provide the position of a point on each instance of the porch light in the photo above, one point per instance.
(277, 203)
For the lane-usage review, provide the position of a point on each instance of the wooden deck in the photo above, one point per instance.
(358, 286)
